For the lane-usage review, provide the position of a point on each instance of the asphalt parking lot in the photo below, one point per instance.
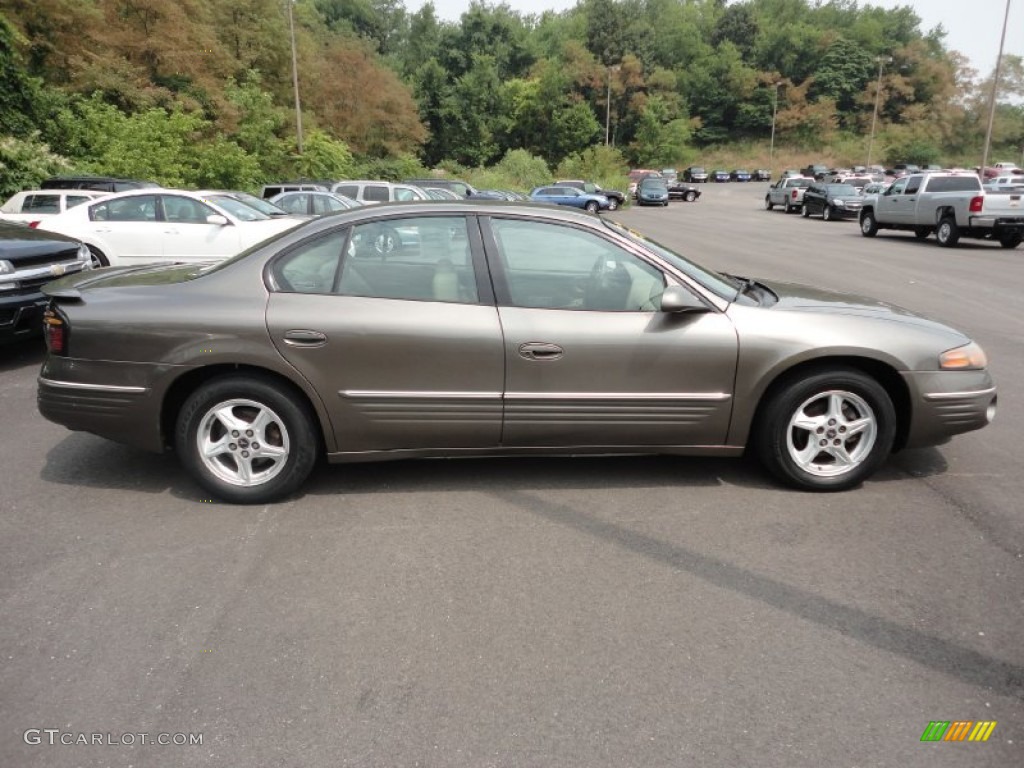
(536, 612)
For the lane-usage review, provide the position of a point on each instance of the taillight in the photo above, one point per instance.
(977, 203)
(33, 224)
(55, 331)
(794, 194)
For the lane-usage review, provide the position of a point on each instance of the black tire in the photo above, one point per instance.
(774, 438)
(613, 204)
(805, 211)
(827, 213)
(592, 206)
(921, 233)
(292, 426)
(868, 223)
(1010, 241)
(691, 196)
(99, 259)
(947, 232)
(768, 204)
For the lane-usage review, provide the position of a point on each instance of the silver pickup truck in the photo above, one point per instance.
(951, 205)
(788, 192)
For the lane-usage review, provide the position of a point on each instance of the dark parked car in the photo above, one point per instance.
(615, 198)
(680, 190)
(815, 171)
(695, 174)
(570, 196)
(505, 329)
(832, 201)
(29, 259)
(652, 190)
(762, 174)
(719, 176)
(740, 175)
(101, 183)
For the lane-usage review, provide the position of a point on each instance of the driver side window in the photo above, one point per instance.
(547, 266)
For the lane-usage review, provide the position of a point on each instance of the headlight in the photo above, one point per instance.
(966, 358)
(85, 256)
(840, 204)
(6, 268)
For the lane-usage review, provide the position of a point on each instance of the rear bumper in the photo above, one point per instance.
(947, 403)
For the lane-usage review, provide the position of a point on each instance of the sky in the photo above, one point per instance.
(972, 27)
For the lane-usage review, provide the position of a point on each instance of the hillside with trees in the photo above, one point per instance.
(200, 93)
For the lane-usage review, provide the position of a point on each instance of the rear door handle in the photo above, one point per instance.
(539, 350)
(304, 338)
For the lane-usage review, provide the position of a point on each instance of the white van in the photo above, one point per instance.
(370, 192)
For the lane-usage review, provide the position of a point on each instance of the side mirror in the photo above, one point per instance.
(216, 218)
(676, 298)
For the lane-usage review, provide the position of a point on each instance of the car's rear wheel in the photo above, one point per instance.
(826, 213)
(246, 439)
(868, 224)
(691, 196)
(947, 233)
(768, 204)
(921, 233)
(1010, 241)
(827, 431)
(592, 206)
(97, 257)
(613, 204)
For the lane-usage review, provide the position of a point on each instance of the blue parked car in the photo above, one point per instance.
(740, 175)
(652, 190)
(719, 176)
(570, 196)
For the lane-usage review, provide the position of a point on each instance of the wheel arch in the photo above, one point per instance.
(183, 386)
(882, 372)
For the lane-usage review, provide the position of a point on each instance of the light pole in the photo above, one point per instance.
(882, 61)
(608, 104)
(995, 88)
(775, 111)
(295, 77)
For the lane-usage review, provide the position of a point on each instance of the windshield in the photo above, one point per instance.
(236, 208)
(713, 281)
(842, 189)
(261, 205)
(654, 184)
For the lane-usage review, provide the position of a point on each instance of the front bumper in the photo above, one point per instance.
(947, 403)
(21, 316)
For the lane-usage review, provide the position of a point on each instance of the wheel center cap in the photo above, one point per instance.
(244, 443)
(831, 433)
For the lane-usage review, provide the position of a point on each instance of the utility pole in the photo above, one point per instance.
(608, 104)
(995, 90)
(882, 61)
(775, 111)
(295, 77)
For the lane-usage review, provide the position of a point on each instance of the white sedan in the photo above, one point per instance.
(33, 205)
(152, 225)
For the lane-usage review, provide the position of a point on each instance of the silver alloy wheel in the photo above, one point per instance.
(243, 442)
(613, 204)
(831, 433)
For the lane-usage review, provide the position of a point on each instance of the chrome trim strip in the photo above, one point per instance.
(704, 396)
(358, 394)
(72, 267)
(955, 395)
(92, 387)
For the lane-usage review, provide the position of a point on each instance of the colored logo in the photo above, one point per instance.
(958, 730)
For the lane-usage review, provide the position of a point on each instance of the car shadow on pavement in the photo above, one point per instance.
(25, 353)
(84, 460)
(1001, 677)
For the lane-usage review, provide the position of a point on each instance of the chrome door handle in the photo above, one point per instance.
(539, 350)
(304, 338)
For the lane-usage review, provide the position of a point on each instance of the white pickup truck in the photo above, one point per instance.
(951, 205)
(787, 192)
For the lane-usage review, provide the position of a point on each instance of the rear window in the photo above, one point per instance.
(954, 184)
(41, 204)
(801, 183)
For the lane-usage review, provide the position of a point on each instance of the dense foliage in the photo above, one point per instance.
(199, 92)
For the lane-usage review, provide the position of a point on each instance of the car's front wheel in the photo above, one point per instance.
(868, 223)
(768, 204)
(691, 196)
(805, 211)
(97, 257)
(246, 439)
(827, 431)
(827, 213)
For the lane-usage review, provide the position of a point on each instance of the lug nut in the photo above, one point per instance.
(233, 447)
(255, 446)
(823, 442)
(837, 442)
(842, 429)
(248, 433)
(234, 433)
(831, 422)
(245, 454)
(820, 430)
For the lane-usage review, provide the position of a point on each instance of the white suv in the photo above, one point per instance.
(370, 192)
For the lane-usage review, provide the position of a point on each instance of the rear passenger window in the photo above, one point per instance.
(348, 190)
(313, 266)
(41, 204)
(135, 208)
(419, 259)
(376, 194)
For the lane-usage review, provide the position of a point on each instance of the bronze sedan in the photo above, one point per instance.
(468, 329)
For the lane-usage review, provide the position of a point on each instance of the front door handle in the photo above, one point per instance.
(539, 350)
(304, 338)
